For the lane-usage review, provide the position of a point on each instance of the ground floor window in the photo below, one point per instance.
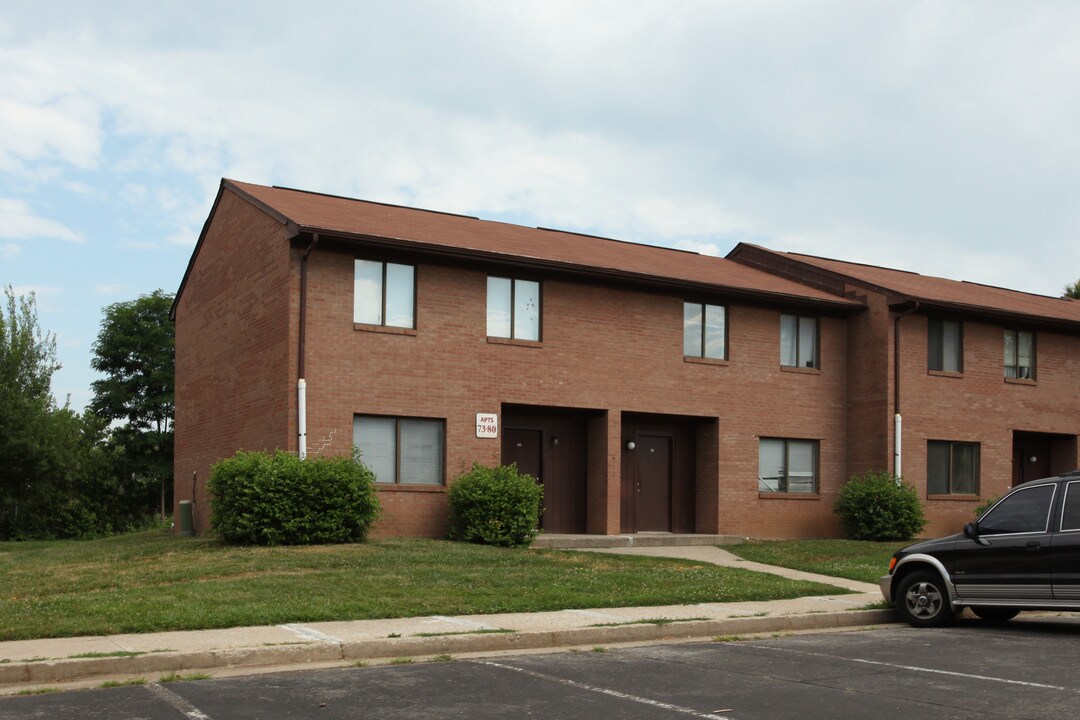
(401, 450)
(787, 466)
(952, 468)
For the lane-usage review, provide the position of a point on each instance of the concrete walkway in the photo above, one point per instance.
(89, 661)
(720, 556)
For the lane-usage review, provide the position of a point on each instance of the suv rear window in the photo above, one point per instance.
(1070, 516)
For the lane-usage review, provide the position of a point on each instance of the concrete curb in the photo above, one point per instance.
(45, 672)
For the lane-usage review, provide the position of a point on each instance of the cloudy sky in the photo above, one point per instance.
(939, 137)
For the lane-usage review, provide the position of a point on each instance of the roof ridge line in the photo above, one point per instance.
(375, 202)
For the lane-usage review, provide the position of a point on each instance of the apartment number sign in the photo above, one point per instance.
(487, 425)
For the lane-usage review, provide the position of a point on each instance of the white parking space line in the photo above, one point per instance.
(910, 668)
(606, 691)
(177, 702)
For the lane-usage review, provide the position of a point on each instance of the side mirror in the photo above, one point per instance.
(971, 531)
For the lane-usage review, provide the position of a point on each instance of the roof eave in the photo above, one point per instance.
(981, 312)
(841, 305)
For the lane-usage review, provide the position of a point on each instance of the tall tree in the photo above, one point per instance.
(1073, 290)
(135, 350)
(34, 454)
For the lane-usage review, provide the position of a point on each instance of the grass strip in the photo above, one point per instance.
(852, 559)
(154, 582)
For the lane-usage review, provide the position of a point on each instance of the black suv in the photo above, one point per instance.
(1022, 554)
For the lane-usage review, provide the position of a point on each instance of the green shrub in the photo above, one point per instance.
(981, 509)
(874, 506)
(279, 499)
(495, 506)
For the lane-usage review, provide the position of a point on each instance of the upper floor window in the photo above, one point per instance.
(952, 468)
(945, 345)
(513, 308)
(705, 331)
(787, 466)
(1019, 354)
(401, 450)
(384, 294)
(798, 341)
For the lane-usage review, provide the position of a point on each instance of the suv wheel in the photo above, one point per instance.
(923, 601)
(995, 614)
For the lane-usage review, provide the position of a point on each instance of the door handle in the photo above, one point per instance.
(1033, 545)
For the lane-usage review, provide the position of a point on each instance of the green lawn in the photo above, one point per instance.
(851, 559)
(154, 581)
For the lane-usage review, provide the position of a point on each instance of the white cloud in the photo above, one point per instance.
(62, 129)
(860, 128)
(18, 221)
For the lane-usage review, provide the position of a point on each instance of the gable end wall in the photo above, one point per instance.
(233, 324)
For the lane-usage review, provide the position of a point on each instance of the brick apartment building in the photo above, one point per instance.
(649, 389)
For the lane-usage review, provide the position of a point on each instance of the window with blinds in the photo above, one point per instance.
(401, 450)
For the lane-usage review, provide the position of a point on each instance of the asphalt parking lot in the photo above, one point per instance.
(1024, 669)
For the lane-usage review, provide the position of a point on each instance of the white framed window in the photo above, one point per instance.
(788, 466)
(384, 294)
(945, 345)
(1020, 354)
(952, 468)
(704, 330)
(401, 450)
(799, 341)
(513, 308)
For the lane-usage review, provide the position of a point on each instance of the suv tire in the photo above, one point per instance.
(923, 601)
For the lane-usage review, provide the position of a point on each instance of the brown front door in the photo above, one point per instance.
(1031, 457)
(551, 446)
(652, 483)
(524, 447)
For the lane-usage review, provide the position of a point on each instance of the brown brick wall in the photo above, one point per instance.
(870, 387)
(232, 330)
(981, 406)
(606, 349)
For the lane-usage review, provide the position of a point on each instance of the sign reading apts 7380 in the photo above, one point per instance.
(487, 425)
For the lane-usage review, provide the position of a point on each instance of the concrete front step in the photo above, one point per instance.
(557, 541)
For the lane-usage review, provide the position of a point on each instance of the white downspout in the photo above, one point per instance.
(898, 423)
(301, 384)
(301, 419)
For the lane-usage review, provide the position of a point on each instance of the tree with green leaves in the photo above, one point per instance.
(27, 363)
(135, 351)
(59, 475)
(1073, 291)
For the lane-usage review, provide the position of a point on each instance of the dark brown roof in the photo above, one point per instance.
(463, 236)
(908, 287)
